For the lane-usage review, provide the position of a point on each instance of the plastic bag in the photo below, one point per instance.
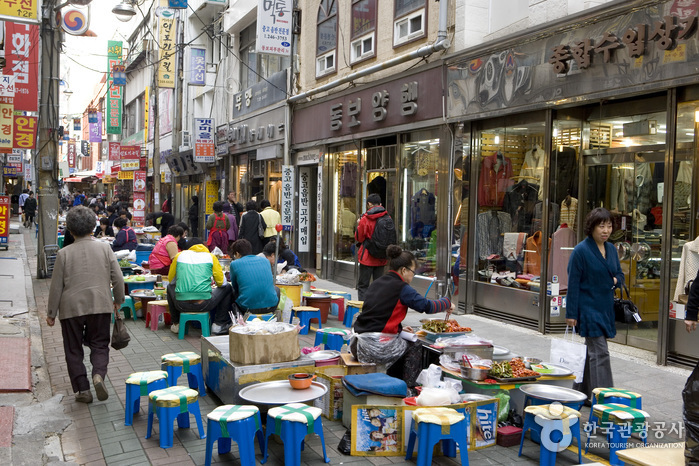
(690, 413)
(345, 445)
(430, 396)
(380, 348)
(430, 377)
(217, 252)
(286, 310)
(462, 340)
(503, 405)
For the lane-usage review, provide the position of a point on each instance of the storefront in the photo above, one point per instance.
(598, 111)
(387, 139)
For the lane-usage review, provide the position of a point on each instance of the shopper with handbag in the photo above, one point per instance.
(594, 272)
(252, 227)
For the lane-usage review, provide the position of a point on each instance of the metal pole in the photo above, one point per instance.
(156, 138)
(276, 258)
(179, 89)
(46, 160)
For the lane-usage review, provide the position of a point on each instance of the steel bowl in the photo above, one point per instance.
(529, 361)
(471, 373)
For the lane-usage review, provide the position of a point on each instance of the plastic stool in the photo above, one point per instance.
(201, 317)
(263, 317)
(622, 421)
(430, 425)
(188, 362)
(338, 302)
(305, 314)
(129, 305)
(234, 422)
(170, 404)
(529, 400)
(548, 422)
(141, 384)
(155, 309)
(292, 423)
(353, 308)
(332, 338)
(613, 395)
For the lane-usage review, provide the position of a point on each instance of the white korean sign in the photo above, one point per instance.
(15, 156)
(287, 196)
(274, 26)
(28, 171)
(204, 140)
(319, 209)
(304, 208)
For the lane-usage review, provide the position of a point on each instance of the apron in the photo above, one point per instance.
(218, 235)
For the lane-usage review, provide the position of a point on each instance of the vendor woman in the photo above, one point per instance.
(386, 304)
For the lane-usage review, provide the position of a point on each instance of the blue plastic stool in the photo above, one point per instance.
(305, 314)
(352, 309)
(429, 426)
(201, 317)
(263, 317)
(129, 305)
(331, 341)
(613, 395)
(131, 286)
(170, 404)
(292, 423)
(551, 429)
(141, 384)
(621, 421)
(234, 422)
(187, 362)
(529, 400)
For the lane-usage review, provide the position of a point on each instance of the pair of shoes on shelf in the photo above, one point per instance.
(83, 397)
(508, 281)
(100, 388)
(175, 328)
(217, 329)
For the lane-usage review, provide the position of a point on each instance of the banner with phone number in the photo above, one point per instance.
(4, 218)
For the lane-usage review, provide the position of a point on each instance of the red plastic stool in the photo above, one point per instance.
(339, 301)
(156, 309)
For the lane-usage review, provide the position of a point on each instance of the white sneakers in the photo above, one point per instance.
(175, 328)
(217, 329)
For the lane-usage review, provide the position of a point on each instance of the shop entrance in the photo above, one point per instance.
(629, 183)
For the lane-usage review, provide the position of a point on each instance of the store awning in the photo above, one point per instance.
(72, 179)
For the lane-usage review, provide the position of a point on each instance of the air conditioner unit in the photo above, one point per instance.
(186, 140)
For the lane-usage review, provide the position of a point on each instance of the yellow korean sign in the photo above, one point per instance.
(211, 196)
(125, 175)
(7, 113)
(166, 40)
(21, 10)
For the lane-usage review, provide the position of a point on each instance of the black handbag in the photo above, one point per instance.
(625, 311)
(120, 336)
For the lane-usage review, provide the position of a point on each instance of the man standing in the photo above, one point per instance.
(29, 210)
(190, 287)
(251, 277)
(375, 231)
(22, 199)
(272, 219)
(235, 207)
(79, 198)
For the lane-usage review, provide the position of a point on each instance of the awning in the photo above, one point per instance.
(72, 179)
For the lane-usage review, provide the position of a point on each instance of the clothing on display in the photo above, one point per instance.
(562, 243)
(519, 202)
(494, 179)
(537, 222)
(348, 179)
(564, 179)
(378, 186)
(632, 187)
(569, 212)
(689, 265)
(596, 186)
(513, 246)
(275, 193)
(491, 227)
(423, 215)
(532, 254)
(533, 166)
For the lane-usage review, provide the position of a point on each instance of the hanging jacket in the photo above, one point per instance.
(495, 178)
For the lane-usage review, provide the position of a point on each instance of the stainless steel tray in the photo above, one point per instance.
(323, 355)
(500, 350)
(558, 371)
(516, 379)
(553, 393)
(279, 392)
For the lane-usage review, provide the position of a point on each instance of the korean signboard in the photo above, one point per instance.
(126, 175)
(114, 53)
(260, 95)
(84, 148)
(274, 26)
(28, 172)
(139, 181)
(26, 10)
(319, 209)
(71, 154)
(96, 128)
(139, 208)
(211, 196)
(4, 218)
(22, 55)
(114, 151)
(305, 181)
(6, 113)
(204, 140)
(197, 66)
(130, 157)
(166, 40)
(222, 140)
(25, 128)
(15, 159)
(287, 197)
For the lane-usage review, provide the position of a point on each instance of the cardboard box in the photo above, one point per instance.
(264, 349)
(349, 400)
(331, 402)
(677, 310)
(355, 367)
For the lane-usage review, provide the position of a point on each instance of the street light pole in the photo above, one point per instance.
(156, 139)
(179, 88)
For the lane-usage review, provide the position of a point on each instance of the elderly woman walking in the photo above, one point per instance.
(81, 297)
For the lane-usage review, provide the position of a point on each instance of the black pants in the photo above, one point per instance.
(220, 303)
(690, 413)
(366, 274)
(93, 331)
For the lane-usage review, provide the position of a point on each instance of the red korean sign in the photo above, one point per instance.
(139, 181)
(4, 218)
(114, 170)
(25, 132)
(22, 55)
(139, 208)
(114, 151)
(130, 158)
(71, 154)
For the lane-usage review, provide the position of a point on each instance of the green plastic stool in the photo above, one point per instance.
(129, 306)
(201, 317)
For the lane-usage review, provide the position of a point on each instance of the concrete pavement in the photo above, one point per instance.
(50, 428)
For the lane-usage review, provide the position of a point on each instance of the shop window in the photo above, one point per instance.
(346, 200)
(256, 66)
(363, 28)
(326, 38)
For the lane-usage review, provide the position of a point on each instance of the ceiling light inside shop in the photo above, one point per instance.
(497, 139)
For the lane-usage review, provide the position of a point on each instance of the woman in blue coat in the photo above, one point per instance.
(594, 272)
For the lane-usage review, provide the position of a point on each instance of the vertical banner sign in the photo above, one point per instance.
(166, 39)
(204, 140)
(139, 181)
(7, 112)
(24, 136)
(96, 129)
(114, 101)
(319, 208)
(114, 151)
(28, 172)
(84, 148)
(71, 156)
(197, 66)
(139, 208)
(99, 169)
(287, 197)
(274, 27)
(304, 208)
(130, 158)
(4, 218)
(21, 9)
(22, 55)
(146, 115)
(211, 196)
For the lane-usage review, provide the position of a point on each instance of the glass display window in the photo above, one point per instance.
(274, 183)
(510, 160)
(346, 200)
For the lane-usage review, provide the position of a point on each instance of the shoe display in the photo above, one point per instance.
(84, 397)
(100, 388)
(217, 329)
(175, 328)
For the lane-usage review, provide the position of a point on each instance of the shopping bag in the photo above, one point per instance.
(569, 353)
(120, 336)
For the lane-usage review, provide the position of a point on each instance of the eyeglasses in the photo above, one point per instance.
(411, 270)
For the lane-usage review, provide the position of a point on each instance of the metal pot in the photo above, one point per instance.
(473, 373)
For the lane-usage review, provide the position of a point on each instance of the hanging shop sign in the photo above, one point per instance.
(139, 181)
(393, 103)
(24, 134)
(222, 140)
(319, 209)
(15, 159)
(166, 41)
(204, 140)
(263, 94)
(211, 188)
(139, 208)
(114, 52)
(309, 157)
(274, 27)
(6, 113)
(259, 130)
(130, 157)
(119, 75)
(125, 175)
(96, 128)
(22, 61)
(305, 181)
(72, 155)
(24, 10)
(183, 164)
(177, 4)
(287, 197)
(4, 219)
(146, 115)
(114, 151)
(99, 169)
(84, 148)
(197, 66)
(75, 19)
(28, 172)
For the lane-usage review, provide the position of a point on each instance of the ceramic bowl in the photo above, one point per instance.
(301, 381)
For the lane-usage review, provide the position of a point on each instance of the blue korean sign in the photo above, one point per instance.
(177, 4)
(197, 65)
